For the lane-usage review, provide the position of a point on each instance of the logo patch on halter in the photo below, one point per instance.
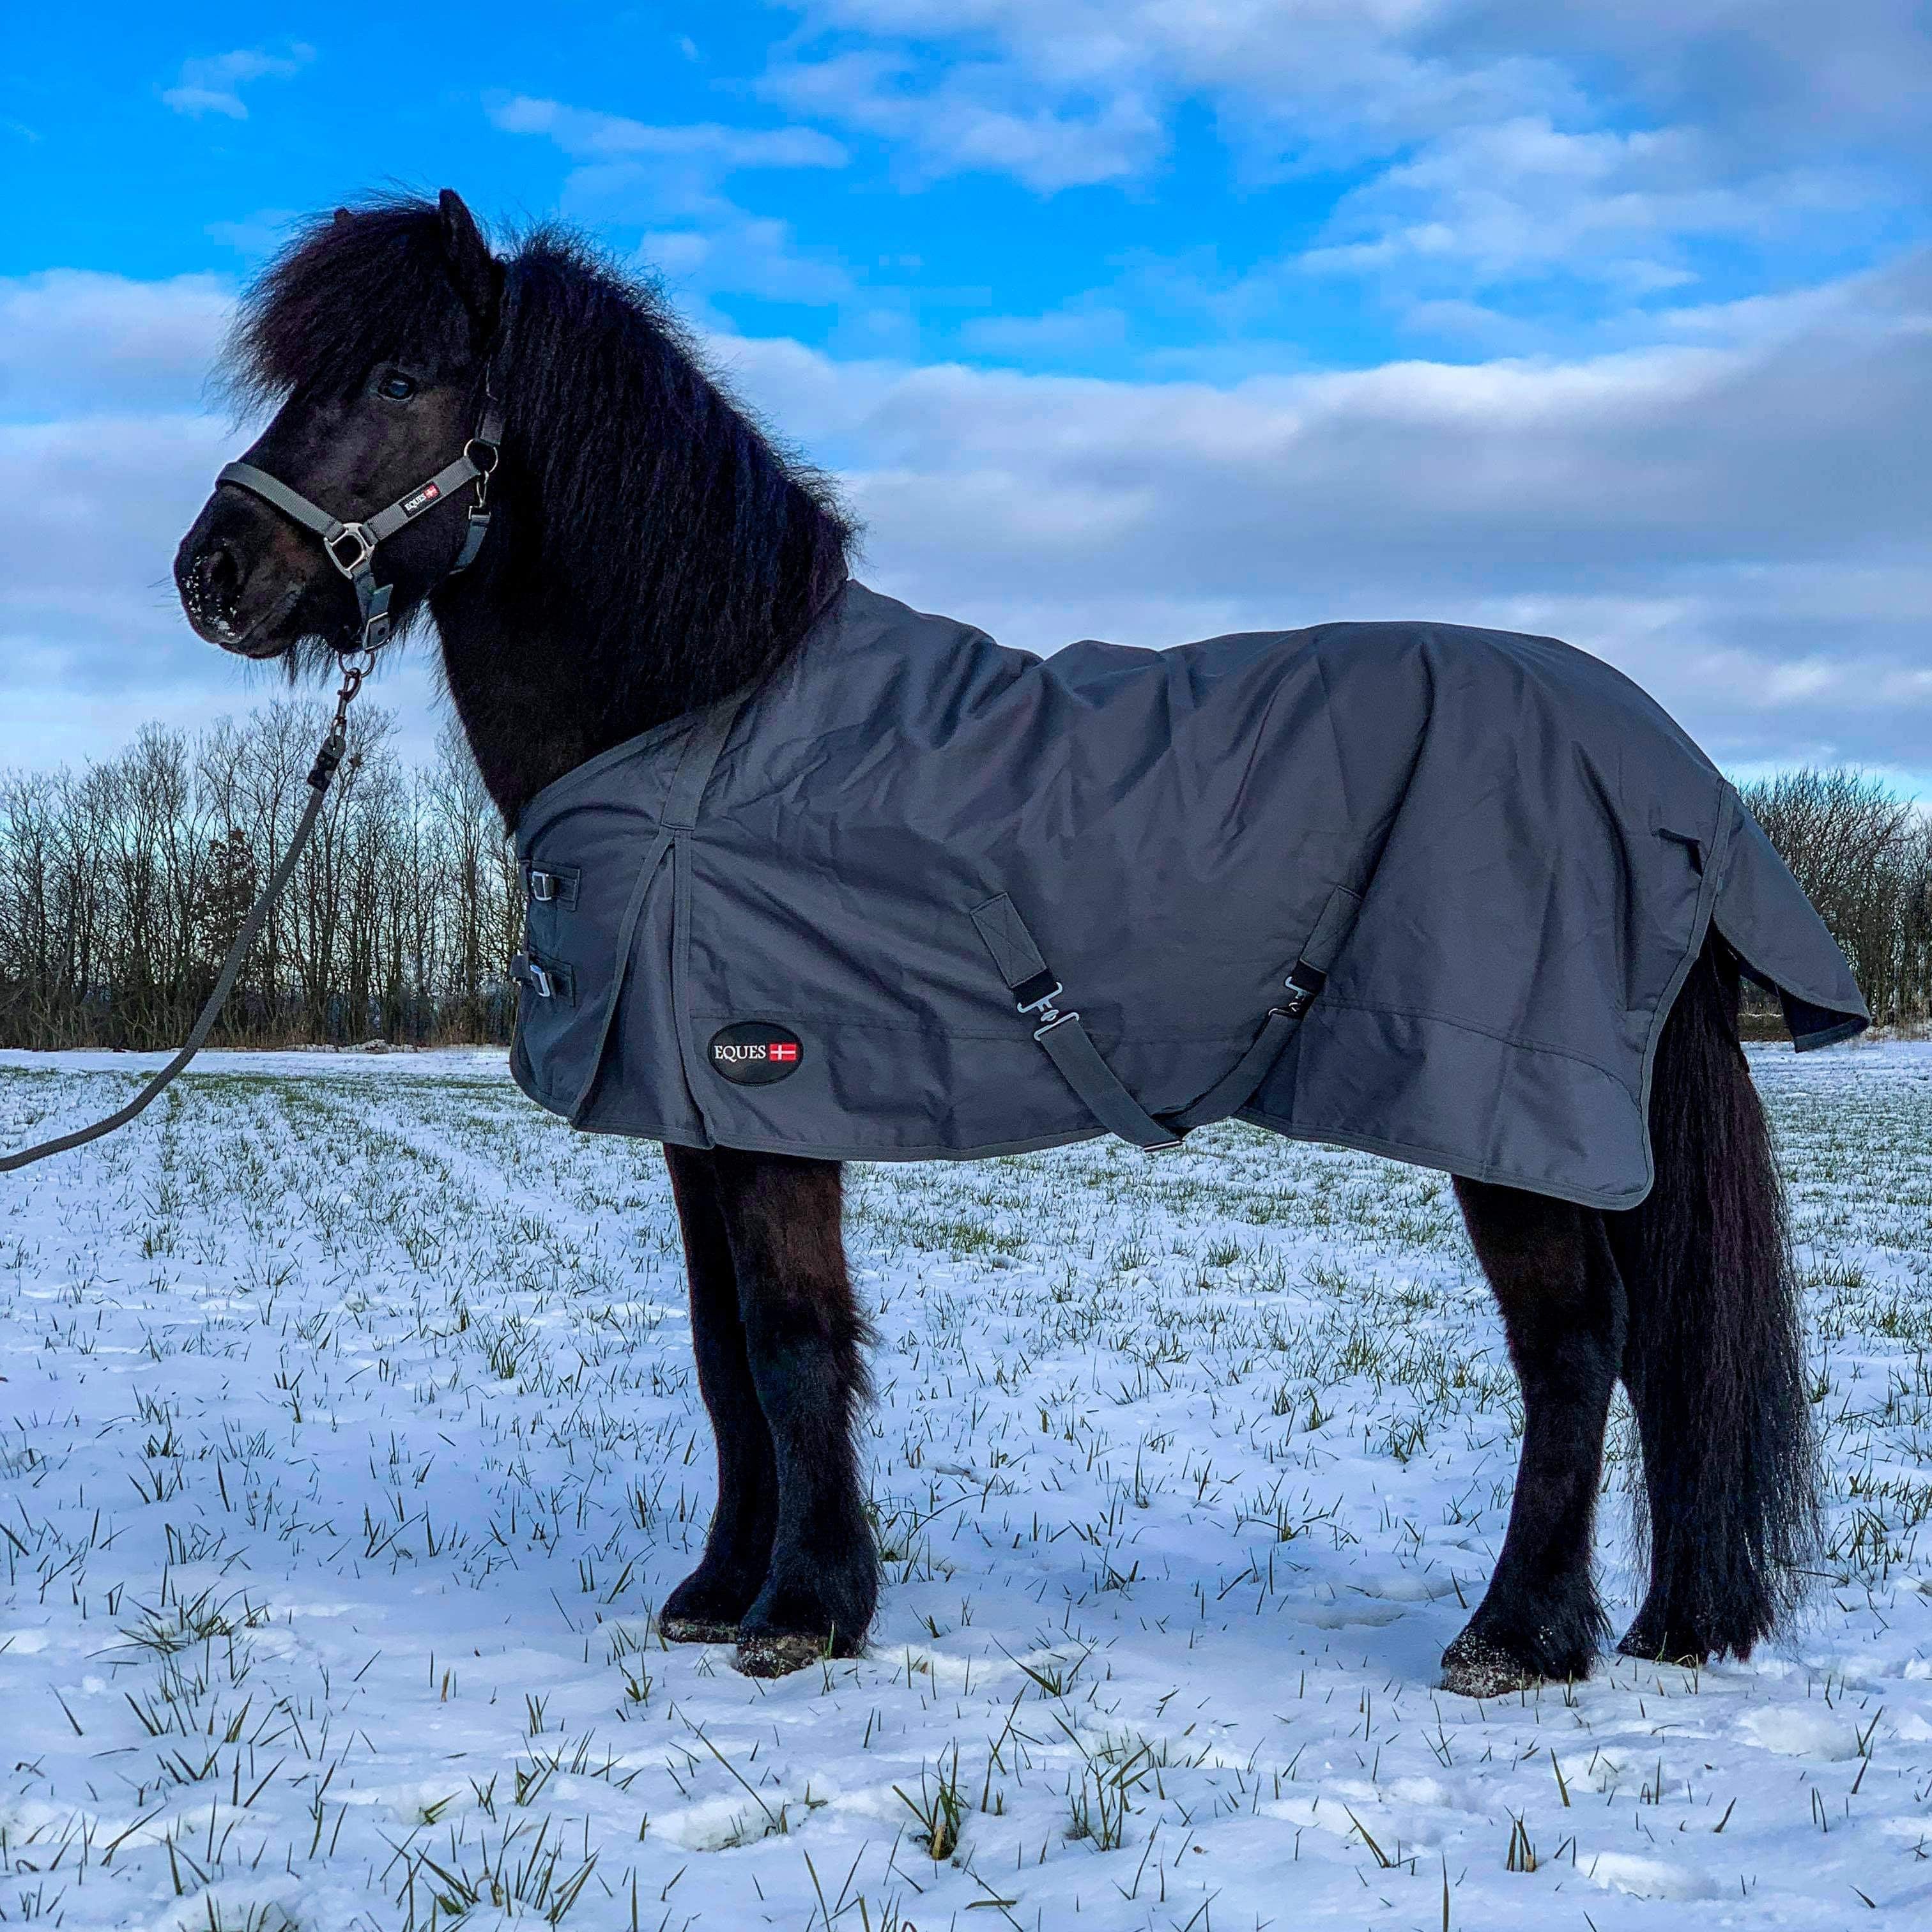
(421, 500)
(754, 1053)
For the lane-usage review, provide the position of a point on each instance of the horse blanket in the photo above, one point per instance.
(1415, 888)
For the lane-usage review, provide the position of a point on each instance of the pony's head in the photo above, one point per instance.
(373, 332)
(650, 548)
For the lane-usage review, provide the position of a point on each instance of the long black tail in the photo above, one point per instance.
(1714, 1361)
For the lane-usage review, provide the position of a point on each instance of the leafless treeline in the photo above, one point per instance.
(1865, 855)
(122, 885)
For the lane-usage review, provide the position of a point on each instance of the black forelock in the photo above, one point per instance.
(344, 295)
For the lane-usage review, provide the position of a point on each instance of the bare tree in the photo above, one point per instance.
(1864, 856)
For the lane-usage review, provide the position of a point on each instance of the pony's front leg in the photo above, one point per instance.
(709, 1605)
(803, 1338)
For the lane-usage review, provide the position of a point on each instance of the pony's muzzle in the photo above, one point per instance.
(237, 578)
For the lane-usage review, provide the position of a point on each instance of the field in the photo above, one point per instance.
(348, 1436)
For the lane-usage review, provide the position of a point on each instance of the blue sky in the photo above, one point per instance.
(1145, 319)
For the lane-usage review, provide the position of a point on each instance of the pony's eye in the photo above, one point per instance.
(397, 388)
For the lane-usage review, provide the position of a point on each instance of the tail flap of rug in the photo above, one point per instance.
(1763, 912)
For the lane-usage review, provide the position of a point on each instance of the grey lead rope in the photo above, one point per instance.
(320, 778)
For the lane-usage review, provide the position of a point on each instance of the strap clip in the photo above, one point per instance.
(1041, 1002)
(1304, 982)
(525, 968)
(543, 885)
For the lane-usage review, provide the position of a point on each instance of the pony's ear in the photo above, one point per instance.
(342, 218)
(477, 273)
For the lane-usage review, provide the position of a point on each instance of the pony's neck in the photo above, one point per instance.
(651, 551)
(538, 693)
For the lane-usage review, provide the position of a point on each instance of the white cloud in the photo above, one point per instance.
(970, 118)
(1290, 81)
(72, 341)
(1707, 517)
(212, 84)
(1522, 197)
(659, 176)
(745, 254)
(1075, 329)
(719, 150)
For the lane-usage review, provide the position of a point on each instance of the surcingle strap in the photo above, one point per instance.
(1306, 977)
(1067, 1043)
(1071, 1048)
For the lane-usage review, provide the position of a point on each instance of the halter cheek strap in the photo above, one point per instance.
(351, 546)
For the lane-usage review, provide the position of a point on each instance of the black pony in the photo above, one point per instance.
(651, 551)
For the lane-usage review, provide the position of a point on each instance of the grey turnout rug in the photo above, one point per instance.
(1416, 888)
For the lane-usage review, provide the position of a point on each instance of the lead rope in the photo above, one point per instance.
(320, 777)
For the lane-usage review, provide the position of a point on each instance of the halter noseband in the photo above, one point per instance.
(351, 547)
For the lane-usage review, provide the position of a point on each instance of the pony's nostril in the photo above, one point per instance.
(213, 588)
(220, 577)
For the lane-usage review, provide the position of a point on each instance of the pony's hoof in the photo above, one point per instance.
(778, 1653)
(1478, 1666)
(696, 1630)
(1482, 1669)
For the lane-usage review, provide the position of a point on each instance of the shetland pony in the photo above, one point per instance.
(651, 550)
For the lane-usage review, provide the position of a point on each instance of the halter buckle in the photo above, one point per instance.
(358, 560)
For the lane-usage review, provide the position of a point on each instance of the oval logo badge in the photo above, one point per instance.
(754, 1053)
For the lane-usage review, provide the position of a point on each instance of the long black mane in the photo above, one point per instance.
(652, 519)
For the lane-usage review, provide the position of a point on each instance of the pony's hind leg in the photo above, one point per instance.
(707, 1606)
(1562, 1301)
(804, 1336)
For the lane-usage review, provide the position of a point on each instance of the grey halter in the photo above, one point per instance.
(351, 546)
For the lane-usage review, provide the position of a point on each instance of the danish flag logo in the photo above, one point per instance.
(755, 1053)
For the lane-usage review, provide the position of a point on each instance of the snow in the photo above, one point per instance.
(349, 1434)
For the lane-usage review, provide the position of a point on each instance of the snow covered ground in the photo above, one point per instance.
(349, 1435)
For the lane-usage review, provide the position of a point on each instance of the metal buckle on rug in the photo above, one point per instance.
(1303, 982)
(543, 885)
(1050, 1015)
(525, 968)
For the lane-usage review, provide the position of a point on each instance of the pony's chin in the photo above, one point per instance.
(270, 632)
(256, 648)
